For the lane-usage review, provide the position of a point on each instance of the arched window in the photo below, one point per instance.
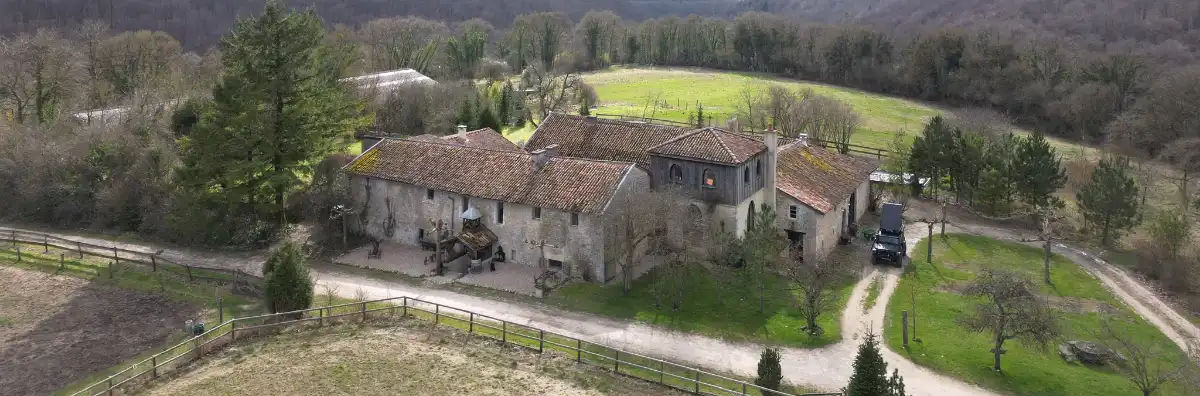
(750, 217)
(758, 167)
(709, 179)
(676, 174)
(746, 175)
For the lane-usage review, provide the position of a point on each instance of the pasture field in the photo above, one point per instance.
(57, 329)
(407, 357)
(629, 91)
(947, 346)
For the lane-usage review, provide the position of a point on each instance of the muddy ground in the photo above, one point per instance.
(55, 330)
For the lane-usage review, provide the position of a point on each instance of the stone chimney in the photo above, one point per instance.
(462, 129)
(541, 157)
(771, 139)
(803, 139)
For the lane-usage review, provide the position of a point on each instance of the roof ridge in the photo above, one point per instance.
(732, 157)
(676, 139)
(514, 153)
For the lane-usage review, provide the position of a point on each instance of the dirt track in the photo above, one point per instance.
(55, 330)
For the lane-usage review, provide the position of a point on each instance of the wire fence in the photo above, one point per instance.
(239, 281)
(683, 378)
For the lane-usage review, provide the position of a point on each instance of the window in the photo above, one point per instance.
(758, 167)
(746, 175)
(676, 174)
(574, 219)
(555, 264)
(499, 212)
(710, 179)
(537, 213)
(429, 194)
(793, 211)
(466, 202)
(420, 234)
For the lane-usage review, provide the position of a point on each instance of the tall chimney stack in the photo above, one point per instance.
(542, 156)
(771, 139)
(462, 129)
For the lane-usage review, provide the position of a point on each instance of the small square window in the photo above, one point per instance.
(574, 219)
(556, 264)
(537, 213)
(429, 194)
(793, 211)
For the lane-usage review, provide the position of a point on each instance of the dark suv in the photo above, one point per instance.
(888, 247)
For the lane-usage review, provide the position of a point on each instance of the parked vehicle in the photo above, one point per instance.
(888, 244)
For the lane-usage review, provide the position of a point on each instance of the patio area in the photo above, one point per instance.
(509, 276)
(402, 259)
(410, 260)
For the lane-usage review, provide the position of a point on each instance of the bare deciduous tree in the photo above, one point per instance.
(552, 90)
(817, 281)
(829, 120)
(1142, 361)
(1012, 311)
(634, 223)
(35, 74)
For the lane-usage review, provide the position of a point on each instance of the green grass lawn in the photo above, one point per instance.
(732, 313)
(952, 349)
(626, 92)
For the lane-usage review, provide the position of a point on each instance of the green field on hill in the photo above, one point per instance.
(629, 91)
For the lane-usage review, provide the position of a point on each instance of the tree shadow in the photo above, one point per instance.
(99, 326)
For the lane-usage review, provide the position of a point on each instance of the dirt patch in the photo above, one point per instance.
(55, 329)
(1079, 305)
(408, 358)
(953, 287)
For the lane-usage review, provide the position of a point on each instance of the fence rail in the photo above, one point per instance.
(240, 281)
(684, 378)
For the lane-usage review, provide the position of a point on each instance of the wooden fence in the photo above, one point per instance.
(239, 281)
(877, 152)
(684, 378)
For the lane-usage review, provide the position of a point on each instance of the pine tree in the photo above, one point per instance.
(466, 114)
(770, 372)
(504, 108)
(1109, 200)
(1039, 171)
(870, 371)
(896, 383)
(487, 119)
(278, 109)
(700, 116)
(288, 286)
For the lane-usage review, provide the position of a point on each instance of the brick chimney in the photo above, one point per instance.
(771, 139)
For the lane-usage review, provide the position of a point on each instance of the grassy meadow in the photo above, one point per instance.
(950, 348)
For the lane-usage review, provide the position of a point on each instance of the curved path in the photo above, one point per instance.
(827, 368)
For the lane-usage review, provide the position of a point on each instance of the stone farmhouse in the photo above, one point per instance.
(550, 199)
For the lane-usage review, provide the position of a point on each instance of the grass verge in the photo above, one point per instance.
(950, 348)
(712, 308)
(873, 292)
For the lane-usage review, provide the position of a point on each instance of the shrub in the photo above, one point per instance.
(770, 373)
(288, 284)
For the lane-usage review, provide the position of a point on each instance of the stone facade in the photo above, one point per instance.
(577, 246)
(821, 230)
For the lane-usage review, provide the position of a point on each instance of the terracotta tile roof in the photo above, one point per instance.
(569, 184)
(611, 140)
(484, 138)
(478, 238)
(712, 145)
(819, 177)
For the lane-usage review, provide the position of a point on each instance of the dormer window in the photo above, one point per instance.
(709, 180)
(676, 174)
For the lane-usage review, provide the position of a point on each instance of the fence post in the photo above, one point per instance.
(233, 330)
(404, 312)
(904, 325)
(697, 382)
(189, 271)
(154, 361)
(436, 313)
(154, 265)
(541, 339)
(62, 261)
(110, 270)
(578, 350)
(743, 389)
(220, 310)
(116, 258)
(18, 253)
(79, 246)
(46, 243)
(110, 389)
(661, 368)
(364, 311)
(471, 324)
(504, 331)
(617, 361)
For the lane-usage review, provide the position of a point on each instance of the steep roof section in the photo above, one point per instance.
(712, 145)
(569, 184)
(484, 138)
(610, 140)
(819, 177)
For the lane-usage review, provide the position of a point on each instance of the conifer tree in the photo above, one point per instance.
(870, 373)
(278, 109)
(1109, 200)
(487, 119)
(1040, 172)
(504, 108)
(770, 372)
(287, 286)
